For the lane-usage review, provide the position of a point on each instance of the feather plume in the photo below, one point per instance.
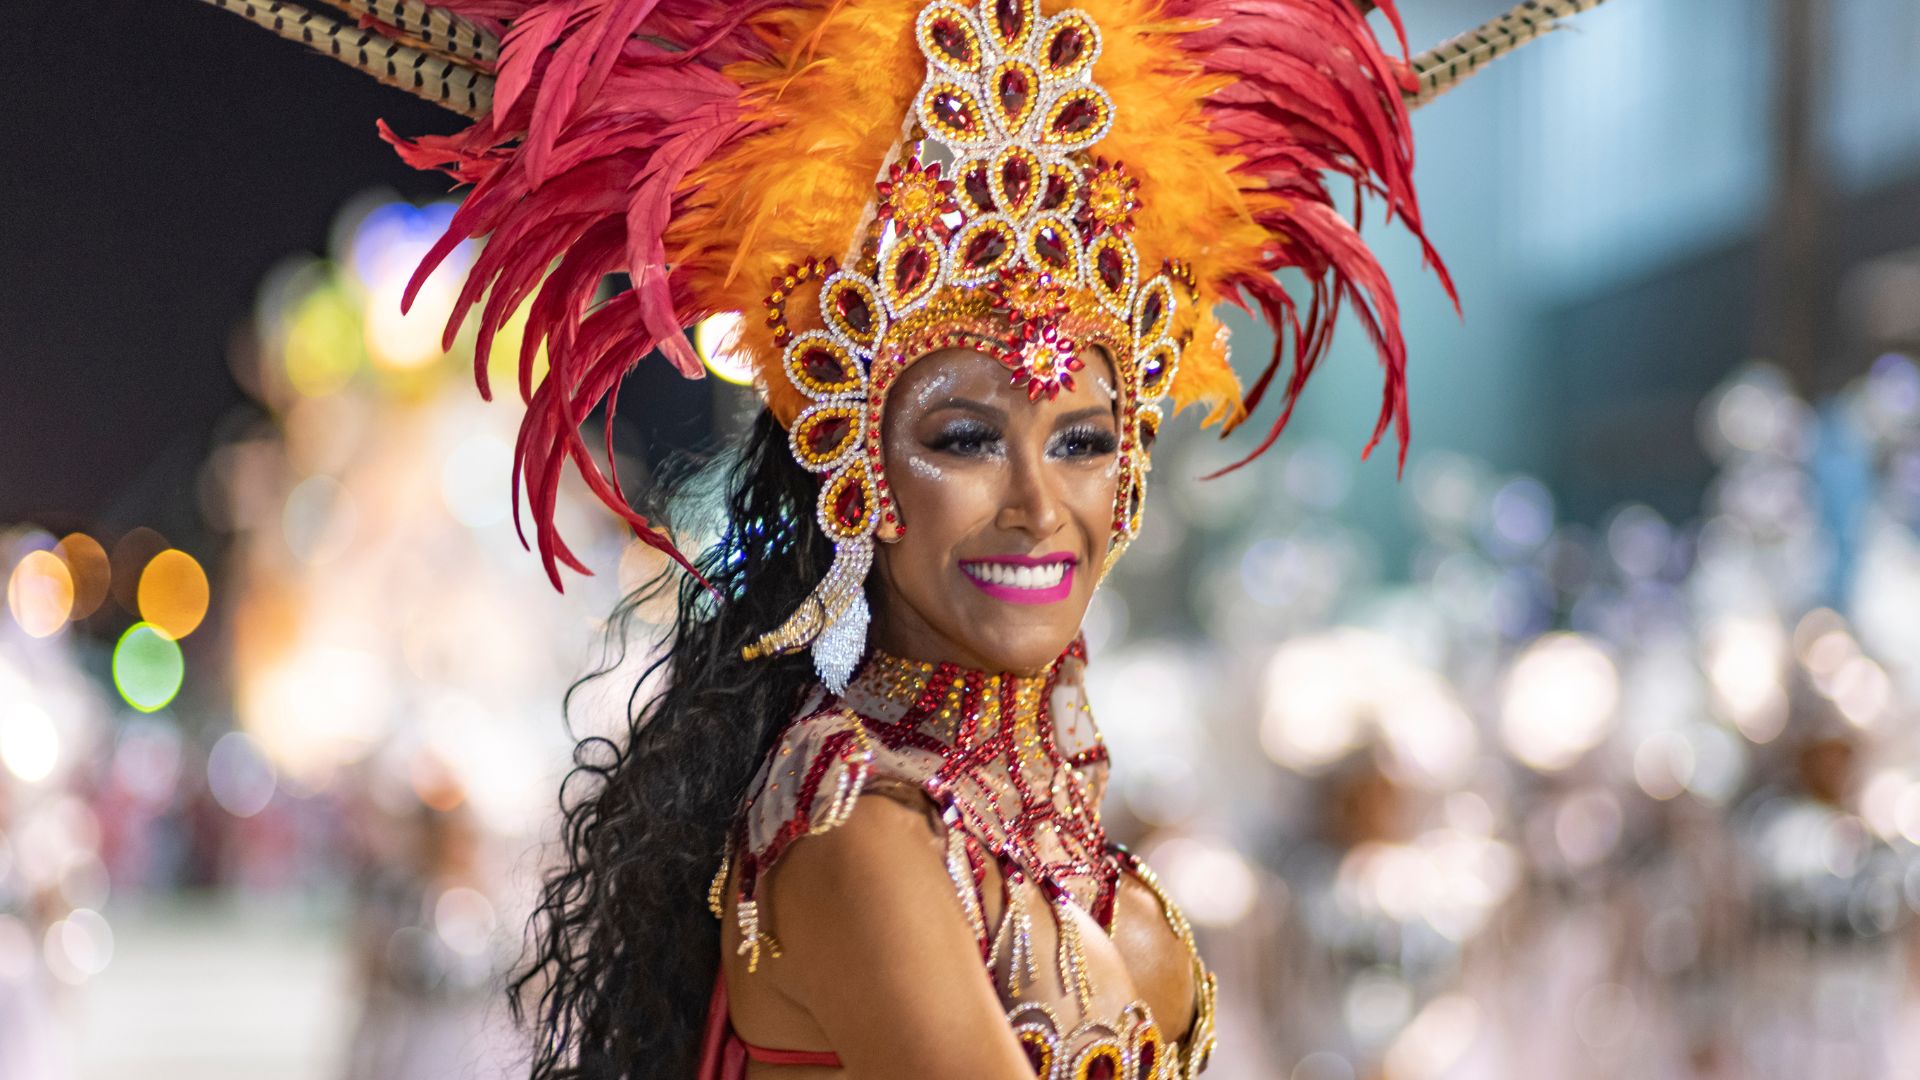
(1451, 63)
(429, 28)
(434, 78)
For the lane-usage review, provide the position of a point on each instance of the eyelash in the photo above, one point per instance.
(970, 439)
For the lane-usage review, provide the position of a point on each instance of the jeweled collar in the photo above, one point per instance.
(959, 705)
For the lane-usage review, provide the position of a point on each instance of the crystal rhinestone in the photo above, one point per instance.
(952, 111)
(985, 248)
(1016, 91)
(1113, 268)
(951, 40)
(850, 505)
(1058, 188)
(1150, 311)
(1078, 116)
(828, 435)
(1047, 243)
(1069, 44)
(1016, 179)
(910, 271)
(1037, 1055)
(824, 367)
(854, 309)
(975, 183)
(1011, 16)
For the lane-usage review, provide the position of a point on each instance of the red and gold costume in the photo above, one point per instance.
(1016, 768)
(860, 183)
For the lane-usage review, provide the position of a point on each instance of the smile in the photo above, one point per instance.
(1023, 579)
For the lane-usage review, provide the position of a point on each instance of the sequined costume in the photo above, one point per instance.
(1016, 768)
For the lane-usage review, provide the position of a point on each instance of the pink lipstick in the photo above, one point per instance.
(1023, 579)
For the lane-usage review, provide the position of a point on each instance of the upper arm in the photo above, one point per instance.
(878, 950)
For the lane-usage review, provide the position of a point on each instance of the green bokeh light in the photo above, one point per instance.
(147, 667)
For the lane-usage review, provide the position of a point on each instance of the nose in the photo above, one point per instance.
(1031, 503)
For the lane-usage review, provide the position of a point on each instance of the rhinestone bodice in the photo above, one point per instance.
(1016, 767)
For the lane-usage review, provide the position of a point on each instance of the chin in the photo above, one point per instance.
(1019, 646)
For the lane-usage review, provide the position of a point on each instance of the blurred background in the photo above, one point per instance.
(1586, 749)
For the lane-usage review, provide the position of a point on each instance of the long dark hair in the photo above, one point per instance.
(623, 949)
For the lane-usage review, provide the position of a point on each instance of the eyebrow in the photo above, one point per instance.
(1088, 413)
(978, 408)
(999, 415)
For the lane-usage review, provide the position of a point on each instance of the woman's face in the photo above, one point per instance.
(1007, 506)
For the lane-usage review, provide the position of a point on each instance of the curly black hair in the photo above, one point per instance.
(623, 951)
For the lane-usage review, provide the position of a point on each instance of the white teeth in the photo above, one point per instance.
(1044, 576)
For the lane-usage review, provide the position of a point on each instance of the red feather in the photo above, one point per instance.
(1313, 95)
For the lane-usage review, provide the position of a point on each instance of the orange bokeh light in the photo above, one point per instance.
(173, 593)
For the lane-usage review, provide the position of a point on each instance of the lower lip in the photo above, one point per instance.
(1052, 594)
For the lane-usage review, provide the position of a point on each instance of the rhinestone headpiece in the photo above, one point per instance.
(1016, 244)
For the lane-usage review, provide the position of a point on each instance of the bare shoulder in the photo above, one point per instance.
(877, 949)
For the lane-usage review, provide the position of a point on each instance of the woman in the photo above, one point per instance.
(901, 840)
(872, 761)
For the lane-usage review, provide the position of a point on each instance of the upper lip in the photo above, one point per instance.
(1025, 560)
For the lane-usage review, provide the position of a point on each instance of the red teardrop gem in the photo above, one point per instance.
(1149, 1053)
(1100, 1068)
(951, 40)
(829, 433)
(1112, 268)
(1057, 192)
(850, 505)
(1015, 89)
(1150, 314)
(822, 366)
(853, 307)
(977, 191)
(910, 271)
(1050, 247)
(985, 248)
(1066, 48)
(1012, 17)
(1036, 1055)
(952, 111)
(1078, 116)
(1016, 179)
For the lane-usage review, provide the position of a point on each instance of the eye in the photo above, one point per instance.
(1084, 441)
(965, 438)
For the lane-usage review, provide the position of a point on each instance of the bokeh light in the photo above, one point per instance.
(130, 555)
(717, 339)
(90, 569)
(29, 742)
(1559, 701)
(147, 667)
(173, 593)
(239, 776)
(40, 593)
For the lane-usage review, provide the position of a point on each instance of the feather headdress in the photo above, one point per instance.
(724, 156)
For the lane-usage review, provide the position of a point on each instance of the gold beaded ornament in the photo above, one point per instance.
(1020, 250)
